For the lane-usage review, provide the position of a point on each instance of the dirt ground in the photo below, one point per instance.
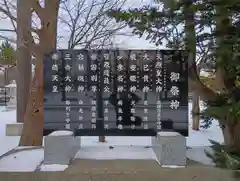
(124, 170)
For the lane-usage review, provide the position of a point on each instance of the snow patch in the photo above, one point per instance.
(172, 166)
(53, 168)
(61, 133)
(23, 161)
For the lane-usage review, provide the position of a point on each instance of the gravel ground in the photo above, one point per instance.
(124, 170)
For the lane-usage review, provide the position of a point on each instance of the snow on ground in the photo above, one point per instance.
(53, 167)
(7, 142)
(114, 148)
(23, 161)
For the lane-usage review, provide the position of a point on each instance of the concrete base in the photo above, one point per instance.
(14, 129)
(170, 148)
(60, 148)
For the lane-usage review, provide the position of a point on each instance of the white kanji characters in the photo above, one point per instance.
(145, 103)
(94, 102)
(158, 56)
(80, 118)
(174, 76)
(55, 67)
(159, 127)
(80, 102)
(67, 120)
(158, 65)
(133, 103)
(106, 110)
(146, 89)
(158, 73)
(80, 126)
(145, 67)
(68, 88)
(106, 89)
(133, 126)
(133, 78)
(145, 126)
(120, 67)
(105, 118)
(80, 78)
(120, 103)
(106, 80)
(80, 110)
(68, 108)
(133, 68)
(94, 78)
(106, 65)
(93, 67)
(80, 67)
(94, 88)
(80, 56)
(67, 56)
(120, 110)
(68, 67)
(54, 88)
(120, 118)
(174, 104)
(67, 114)
(54, 77)
(119, 57)
(145, 118)
(145, 56)
(133, 111)
(120, 89)
(93, 114)
(120, 126)
(106, 73)
(159, 81)
(145, 110)
(67, 102)
(120, 78)
(68, 78)
(55, 56)
(94, 108)
(106, 56)
(132, 56)
(94, 126)
(174, 91)
(158, 88)
(80, 88)
(106, 126)
(133, 88)
(94, 56)
(132, 118)
(145, 78)
(106, 102)
(67, 126)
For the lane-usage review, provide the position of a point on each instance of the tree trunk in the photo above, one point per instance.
(34, 116)
(24, 69)
(231, 135)
(195, 111)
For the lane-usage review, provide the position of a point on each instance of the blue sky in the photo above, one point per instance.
(122, 41)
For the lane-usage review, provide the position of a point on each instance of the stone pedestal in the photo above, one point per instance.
(14, 129)
(170, 148)
(60, 147)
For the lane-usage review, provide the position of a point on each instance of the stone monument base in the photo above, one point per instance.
(170, 148)
(60, 147)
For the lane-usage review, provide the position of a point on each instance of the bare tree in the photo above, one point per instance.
(86, 23)
(8, 9)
